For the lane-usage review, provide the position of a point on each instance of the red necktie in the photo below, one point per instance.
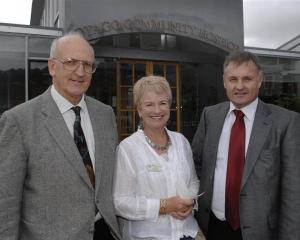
(235, 166)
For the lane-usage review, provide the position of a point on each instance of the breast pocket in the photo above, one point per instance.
(268, 163)
(269, 157)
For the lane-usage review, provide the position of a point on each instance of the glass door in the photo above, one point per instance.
(128, 72)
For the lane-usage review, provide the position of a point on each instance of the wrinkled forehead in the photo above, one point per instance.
(73, 45)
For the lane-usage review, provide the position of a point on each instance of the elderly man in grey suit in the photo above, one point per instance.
(57, 156)
(247, 156)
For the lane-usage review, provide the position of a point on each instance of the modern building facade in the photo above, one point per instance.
(186, 43)
(23, 63)
(292, 45)
(281, 85)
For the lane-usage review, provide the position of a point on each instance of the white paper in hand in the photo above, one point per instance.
(183, 191)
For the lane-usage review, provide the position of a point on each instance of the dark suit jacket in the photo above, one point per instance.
(45, 192)
(270, 189)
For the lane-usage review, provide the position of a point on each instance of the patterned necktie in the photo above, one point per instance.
(235, 166)
(82, 146)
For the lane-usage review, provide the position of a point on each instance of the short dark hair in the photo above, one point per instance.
(240, 57)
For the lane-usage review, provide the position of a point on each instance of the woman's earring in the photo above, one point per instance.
(141, 124)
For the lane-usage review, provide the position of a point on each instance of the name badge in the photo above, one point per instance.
(153, 168)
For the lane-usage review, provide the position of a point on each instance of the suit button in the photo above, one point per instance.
(246, 227)
(91, 231)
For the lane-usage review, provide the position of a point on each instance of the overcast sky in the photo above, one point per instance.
(271, 23)
(267, 23)
(15, 11)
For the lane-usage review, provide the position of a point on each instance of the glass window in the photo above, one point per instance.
(281, 85)
(171, 42)
(199, 88)
(126, 74)
(122, 40)
(39, 47)
(39, 78)
(103, 85)
(150, 41)
(139, 71)
(135, 40)
(12, 71)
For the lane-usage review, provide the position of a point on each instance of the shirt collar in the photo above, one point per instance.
(63, 104)
(248, 110)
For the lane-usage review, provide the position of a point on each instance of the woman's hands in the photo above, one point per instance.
(177, 207)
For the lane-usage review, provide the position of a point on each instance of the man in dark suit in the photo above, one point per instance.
(247, 154)
(57, 156)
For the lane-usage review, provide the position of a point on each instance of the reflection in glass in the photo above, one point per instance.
(281, 85)
(39, 47)
(171, 75)
(158, 70)
(127, 122)
(172, 123)
(126, 97)
(139, 71)
(174, 96)
(12, 71)
(126, 74)
(103, 85)
(199, 88)
(39, 78)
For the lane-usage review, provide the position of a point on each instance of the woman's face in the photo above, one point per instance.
(154, 109)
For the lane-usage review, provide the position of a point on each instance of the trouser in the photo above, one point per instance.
(102, 231)
(221, 230)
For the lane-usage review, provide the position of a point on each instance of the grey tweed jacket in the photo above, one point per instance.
(45, 192)
(270, 190)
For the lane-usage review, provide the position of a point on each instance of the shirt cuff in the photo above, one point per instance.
(152, 211)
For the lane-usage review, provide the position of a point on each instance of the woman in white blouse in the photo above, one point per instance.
(155, 180)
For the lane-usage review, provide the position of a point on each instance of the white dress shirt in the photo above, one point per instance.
(218, 201)
(143, 177)
(68, 114)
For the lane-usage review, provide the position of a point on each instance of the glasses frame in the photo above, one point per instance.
(77, 62)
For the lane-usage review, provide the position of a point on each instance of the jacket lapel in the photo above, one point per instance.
(260, 130)
(99, 148)
(217, 121)
(57, 127)
(103, 143)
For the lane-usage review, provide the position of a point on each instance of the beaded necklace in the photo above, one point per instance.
(158, 147)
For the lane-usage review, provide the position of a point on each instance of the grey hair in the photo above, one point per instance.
(54, 44)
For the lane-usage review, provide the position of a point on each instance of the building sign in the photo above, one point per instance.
(158, 26)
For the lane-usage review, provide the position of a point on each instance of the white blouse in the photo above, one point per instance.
(143, 177)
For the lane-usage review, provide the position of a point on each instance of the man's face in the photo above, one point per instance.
(242, 83)
(71, 84)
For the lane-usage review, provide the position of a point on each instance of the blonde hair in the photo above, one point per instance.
(156, 84)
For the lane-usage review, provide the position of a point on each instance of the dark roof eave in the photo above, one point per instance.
(37, 8)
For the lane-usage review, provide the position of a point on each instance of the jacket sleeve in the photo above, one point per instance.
(197, 143)
(12, 174)
(289, 218)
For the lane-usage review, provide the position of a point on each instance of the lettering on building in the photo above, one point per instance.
(156, 26)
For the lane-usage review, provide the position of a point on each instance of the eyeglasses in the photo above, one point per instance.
(72, 64)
